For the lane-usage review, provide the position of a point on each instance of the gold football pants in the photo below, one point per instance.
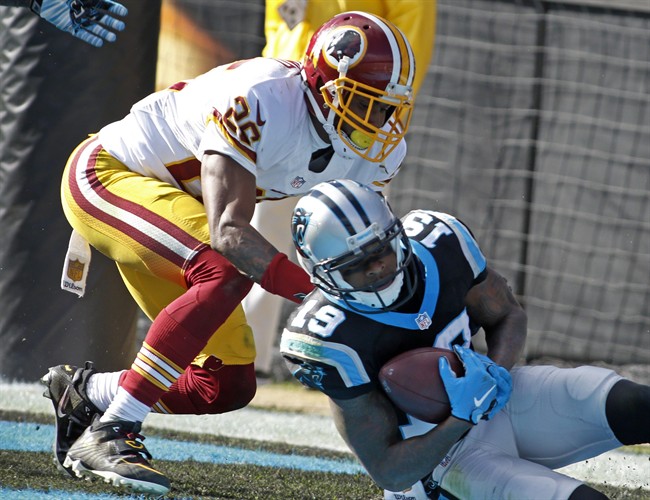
(150, 229)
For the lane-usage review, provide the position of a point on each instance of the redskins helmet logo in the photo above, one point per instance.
(345, 41)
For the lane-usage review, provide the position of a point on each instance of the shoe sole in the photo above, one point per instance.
(45, 380)
(77, 468)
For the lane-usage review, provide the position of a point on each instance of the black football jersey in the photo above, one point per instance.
(340, 352)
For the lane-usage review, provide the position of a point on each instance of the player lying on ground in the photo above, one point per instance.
(385, 287)
(93, 21)
(168, 193)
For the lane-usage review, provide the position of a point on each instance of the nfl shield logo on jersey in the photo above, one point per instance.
(75, 270)
(423, 321)
(297, 182)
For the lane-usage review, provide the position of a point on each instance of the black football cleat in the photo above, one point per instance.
(114, 452)
(73, 411)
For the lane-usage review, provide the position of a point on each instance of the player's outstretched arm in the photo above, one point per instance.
(369, 426)
(229, 192)
(93, 21)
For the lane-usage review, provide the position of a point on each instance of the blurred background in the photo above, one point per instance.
(532, 126)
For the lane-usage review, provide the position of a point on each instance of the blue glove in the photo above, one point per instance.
(474, 395)
(504, 384)
(89, 20)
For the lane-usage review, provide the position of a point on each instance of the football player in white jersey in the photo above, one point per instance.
(168, 193)
(386, 286)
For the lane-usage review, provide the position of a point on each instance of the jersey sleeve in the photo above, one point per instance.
(468, 244)
(330, 367)
(251, 112)
(430, 228)
(314, 356)
(235, 129)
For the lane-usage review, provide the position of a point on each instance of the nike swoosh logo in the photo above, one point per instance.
(62, 403)
(479, 402)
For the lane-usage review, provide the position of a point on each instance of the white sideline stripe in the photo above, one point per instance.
(616, 468)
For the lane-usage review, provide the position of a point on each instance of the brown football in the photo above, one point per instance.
(412, 382)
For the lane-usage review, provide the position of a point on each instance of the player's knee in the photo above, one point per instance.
(226, 388)
(627, 410)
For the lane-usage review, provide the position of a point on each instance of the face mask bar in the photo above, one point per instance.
(325, 273)
(339, 95)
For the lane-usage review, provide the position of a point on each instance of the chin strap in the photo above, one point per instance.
(381, 298)
(340, 148)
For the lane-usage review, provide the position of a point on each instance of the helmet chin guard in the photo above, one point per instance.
(381, 299)
(342, 144)
(353, 56)
(337, 228)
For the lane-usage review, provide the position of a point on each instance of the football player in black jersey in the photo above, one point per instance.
(386, 286)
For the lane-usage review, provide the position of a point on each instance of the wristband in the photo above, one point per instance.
(286, 279)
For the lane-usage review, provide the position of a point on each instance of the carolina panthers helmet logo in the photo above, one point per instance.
(345, 41)
(299, 223)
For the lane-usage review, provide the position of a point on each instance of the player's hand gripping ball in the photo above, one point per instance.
(412, 382)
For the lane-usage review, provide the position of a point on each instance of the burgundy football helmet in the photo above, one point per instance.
(356, 55)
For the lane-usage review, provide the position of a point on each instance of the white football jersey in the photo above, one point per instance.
(253, 111)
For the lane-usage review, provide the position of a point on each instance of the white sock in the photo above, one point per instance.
(125, 407)
(102, 387)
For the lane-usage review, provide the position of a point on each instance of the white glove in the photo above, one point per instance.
(89, 20)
